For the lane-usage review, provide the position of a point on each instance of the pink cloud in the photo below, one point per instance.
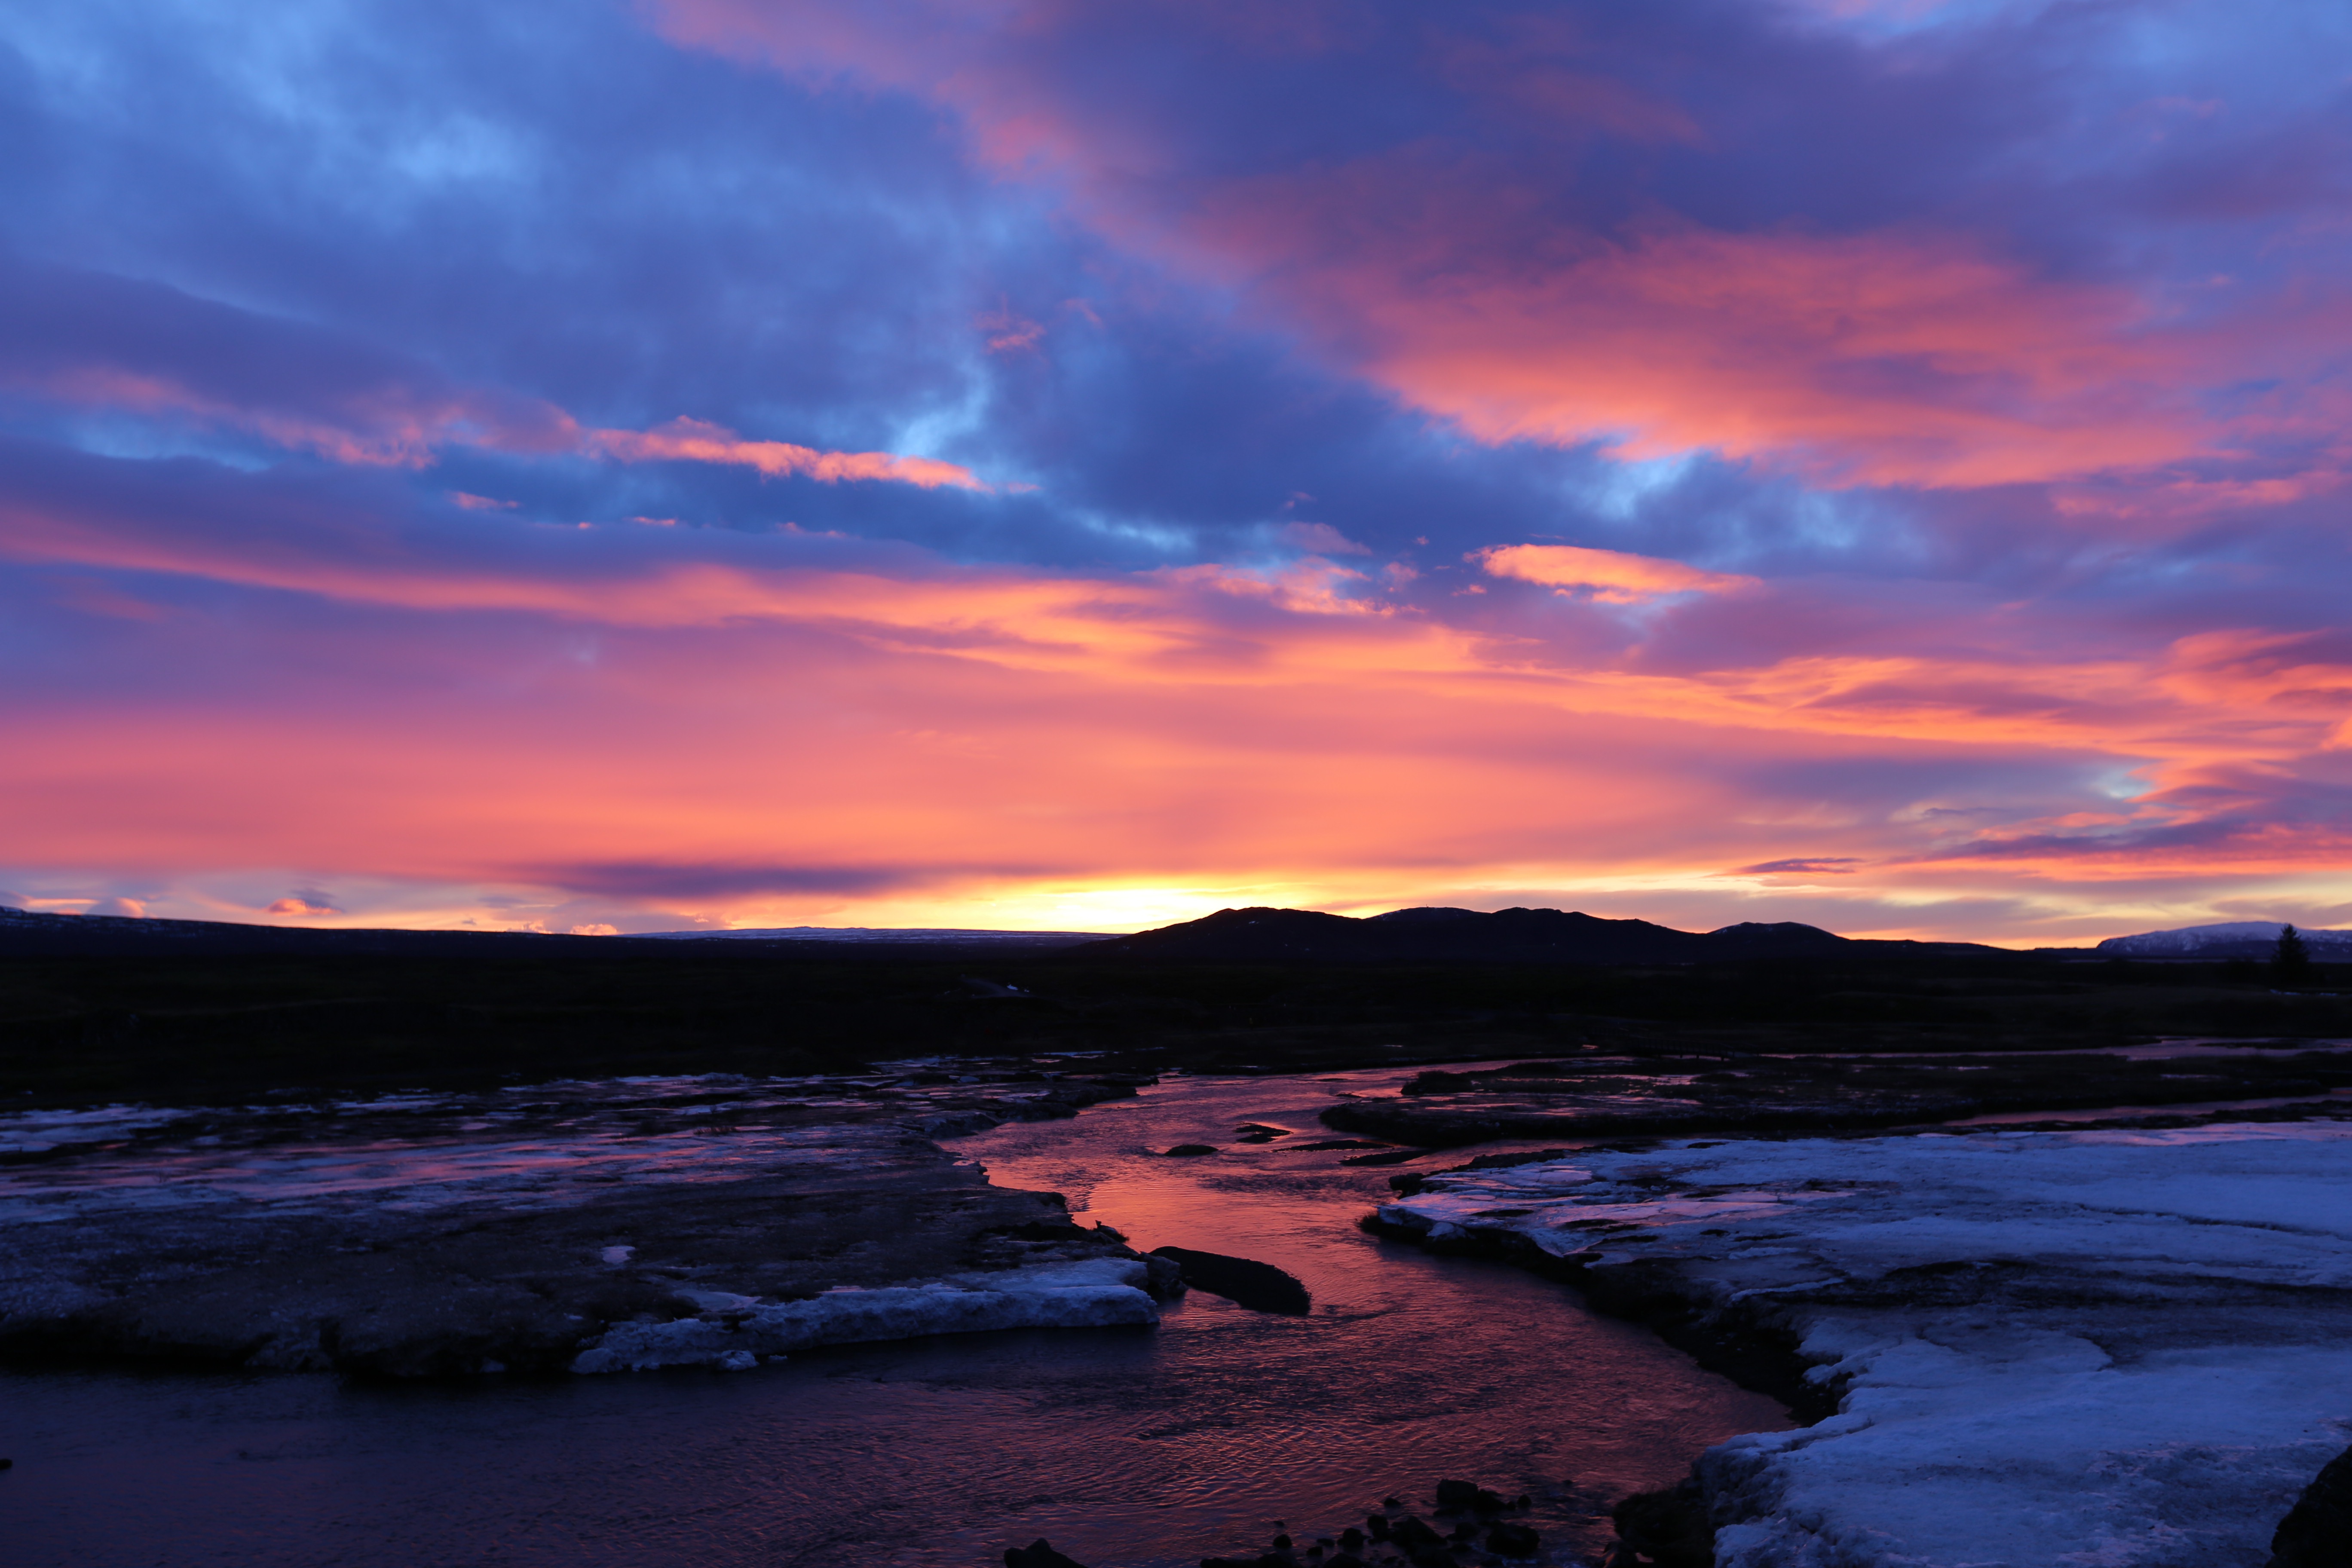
(696, 441)
(311, 905)
(1612, 576)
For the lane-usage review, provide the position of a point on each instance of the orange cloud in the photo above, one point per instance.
(1612, 576)
(302, 905)
(759, 713)
(2209, 696)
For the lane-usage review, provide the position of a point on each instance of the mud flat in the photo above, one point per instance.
(594, 1226)
(2122, 1348)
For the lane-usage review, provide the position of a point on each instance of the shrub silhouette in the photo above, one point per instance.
(2291, 965)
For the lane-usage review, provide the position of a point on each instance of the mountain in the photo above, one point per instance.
(2231, 939)
(1455, 936)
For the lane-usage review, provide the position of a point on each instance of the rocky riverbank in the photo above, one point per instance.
(2119, 1347)
(1616, 1095)
(592, 1227)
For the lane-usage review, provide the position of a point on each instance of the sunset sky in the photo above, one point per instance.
(1024, 463)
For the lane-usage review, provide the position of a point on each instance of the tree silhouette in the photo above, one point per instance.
(2291, 965)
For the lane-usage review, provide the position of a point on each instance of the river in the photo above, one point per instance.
(1128, 1448)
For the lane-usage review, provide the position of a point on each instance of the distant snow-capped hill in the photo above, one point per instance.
(2231, 939)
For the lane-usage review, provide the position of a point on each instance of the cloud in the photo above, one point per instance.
(1190, 724)
(1321, 539)
(312, 903)
(1513, 253)
(694, 440)
(113, 344)
(1610, 576)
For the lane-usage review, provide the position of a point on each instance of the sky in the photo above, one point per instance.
(618, 466)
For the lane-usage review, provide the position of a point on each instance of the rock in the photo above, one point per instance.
(1413, 1534)
(1513, 1541)
(1669, 1527)
(2316, 1532)
(1038, 1554)
(1261, 1287)
(1185, 1151)
(1166, 1280)
(1456, 1494)
(1351, 1540)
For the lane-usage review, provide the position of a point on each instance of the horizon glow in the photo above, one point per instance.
(1007, 464)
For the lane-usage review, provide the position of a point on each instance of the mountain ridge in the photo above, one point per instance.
(1517, 935)
(2227, 939)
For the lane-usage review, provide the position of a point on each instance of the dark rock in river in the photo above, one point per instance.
(1456, 1494)
(1183, 1150)
(1038, 1554)
(1413, 1533)
(1669, 1527)
(1246, 1282)
(2317, 1531)
(1513, 1541)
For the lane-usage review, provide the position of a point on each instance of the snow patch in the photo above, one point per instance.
(734, 1333)
(2113, 1347)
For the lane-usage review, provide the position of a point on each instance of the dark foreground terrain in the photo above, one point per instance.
(158, 1023)
(433, 1159)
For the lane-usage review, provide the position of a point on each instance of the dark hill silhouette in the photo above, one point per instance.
(28, 933)
(1456, 936)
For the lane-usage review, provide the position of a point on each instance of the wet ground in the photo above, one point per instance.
(1609, 1094)
(1130, 1448)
